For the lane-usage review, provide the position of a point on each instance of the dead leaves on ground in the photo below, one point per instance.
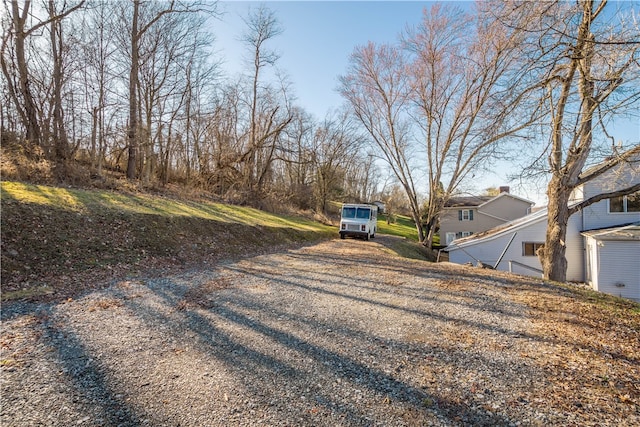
(200, 295)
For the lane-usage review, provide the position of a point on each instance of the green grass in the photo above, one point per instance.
(403, 227)
(53, 231)
(85, 201)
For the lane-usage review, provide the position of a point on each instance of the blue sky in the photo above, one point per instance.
(317, 40)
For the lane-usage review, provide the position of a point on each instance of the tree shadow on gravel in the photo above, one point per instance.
(241, 359)
(89, 379)
(429, 314)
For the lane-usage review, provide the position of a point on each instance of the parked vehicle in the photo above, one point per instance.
(358, 220)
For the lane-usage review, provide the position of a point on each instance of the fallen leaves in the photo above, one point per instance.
(201, 295)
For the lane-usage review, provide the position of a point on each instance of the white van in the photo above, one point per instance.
(358, 220)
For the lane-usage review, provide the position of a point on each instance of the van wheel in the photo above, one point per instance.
(342, 235)
(366, 237)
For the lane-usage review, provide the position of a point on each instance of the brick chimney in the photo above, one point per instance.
(504, 189)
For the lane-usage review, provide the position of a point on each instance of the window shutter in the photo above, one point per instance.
(470, 214)
(459, 215)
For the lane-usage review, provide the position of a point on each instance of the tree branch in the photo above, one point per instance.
(599, 197)
(608, 165)
(50, 20)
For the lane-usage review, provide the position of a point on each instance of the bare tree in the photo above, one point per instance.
(296, 160)
(462, 72)
(59, 132)
(335, 152)
(377, 88)
(588, 63)
(143, 17)
(450, 82)
(13, 60)
(268, 116)
(98, 73)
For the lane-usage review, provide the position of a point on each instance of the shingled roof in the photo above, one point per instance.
(467, 201)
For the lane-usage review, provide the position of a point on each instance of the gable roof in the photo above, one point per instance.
(479, 201)
(466, 201)
(495, 232)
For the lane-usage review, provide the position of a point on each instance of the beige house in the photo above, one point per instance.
(464, 216)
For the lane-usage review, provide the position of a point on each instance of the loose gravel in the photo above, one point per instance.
(342, 333)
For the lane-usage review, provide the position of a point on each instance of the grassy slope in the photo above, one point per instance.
(403, 227)
(52, 231)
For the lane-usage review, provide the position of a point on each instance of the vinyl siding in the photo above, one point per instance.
(598, 216)
(616, 263)
(450, 222)
(575, 249)
(611, 262)
(591, 252)
(506, 208)
(492, 214)
(489, 250)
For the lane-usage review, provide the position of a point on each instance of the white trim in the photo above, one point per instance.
(609, 230)
(625, 205)
(493, 216)
(447, 235)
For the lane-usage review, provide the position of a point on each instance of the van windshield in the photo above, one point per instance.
(359, 213)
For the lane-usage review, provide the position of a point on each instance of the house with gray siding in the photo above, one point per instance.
(602, 247)
(464, 216)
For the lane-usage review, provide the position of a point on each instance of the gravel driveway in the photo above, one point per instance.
(339, 333)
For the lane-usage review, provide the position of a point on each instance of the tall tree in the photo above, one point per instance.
(450, 83)
(143, 17)
(587, 58)
(377, 87)
(99, 72)
(336, 145)
(462, 71)
(266, 121)
(13, 60)
(59, 132)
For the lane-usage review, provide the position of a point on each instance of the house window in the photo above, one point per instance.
(530, 248)
(623, 204)
(451, 236)
(465, 215)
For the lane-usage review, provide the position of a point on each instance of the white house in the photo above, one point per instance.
(595, 236)
(610, 251)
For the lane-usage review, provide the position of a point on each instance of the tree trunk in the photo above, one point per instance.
(61, 142)
(133, 105)
(94, 137)
(30, 116)
(552, 255)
